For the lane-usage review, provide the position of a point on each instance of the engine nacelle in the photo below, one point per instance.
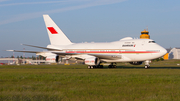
(136, 63)
(92, 61)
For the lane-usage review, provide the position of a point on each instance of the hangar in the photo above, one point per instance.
(173, 53)
(11, 61)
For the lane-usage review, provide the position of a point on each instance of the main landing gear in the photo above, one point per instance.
(92, 67)
(147, 64)
(112, 66)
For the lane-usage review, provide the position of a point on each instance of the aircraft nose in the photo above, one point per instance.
(163, 51)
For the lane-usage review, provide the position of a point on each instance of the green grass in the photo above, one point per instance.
(76, 82)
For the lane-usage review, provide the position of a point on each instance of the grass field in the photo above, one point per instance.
(76, 82)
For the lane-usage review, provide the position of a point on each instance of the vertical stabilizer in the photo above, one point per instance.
(56, 36)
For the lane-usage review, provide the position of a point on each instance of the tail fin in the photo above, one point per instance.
(56, 36)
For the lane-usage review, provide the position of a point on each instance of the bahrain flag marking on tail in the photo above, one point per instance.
(52, 30)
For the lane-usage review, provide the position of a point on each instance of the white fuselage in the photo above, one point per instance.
(125, 50)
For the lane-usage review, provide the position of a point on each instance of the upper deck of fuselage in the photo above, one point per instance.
(128, 43)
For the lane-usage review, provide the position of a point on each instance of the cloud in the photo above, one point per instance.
(27, 16)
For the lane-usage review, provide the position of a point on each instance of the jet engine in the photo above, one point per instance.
(92, 61)
(136, 63)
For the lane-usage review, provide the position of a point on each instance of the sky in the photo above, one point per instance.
(21, 21)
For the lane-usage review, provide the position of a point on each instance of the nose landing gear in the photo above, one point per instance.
(147, 65)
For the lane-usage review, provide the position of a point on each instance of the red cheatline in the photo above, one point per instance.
(112, 52)
(52, 30)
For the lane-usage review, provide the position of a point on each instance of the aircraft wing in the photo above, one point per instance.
(104, 56)
(100, 56)
(64, 53)
(51, 49)
(54, 52)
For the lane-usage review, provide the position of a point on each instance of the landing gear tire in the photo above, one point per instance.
(146, 66)
(100, 66)
(112, 66)
(92, 67)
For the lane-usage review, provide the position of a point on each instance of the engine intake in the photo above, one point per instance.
(57, 58)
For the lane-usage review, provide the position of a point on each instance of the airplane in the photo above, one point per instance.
(133, 51)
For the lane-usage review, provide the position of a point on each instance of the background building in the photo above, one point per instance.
(166, 56)
(174, 53)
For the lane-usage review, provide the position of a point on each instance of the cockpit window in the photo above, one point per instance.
(152, 42)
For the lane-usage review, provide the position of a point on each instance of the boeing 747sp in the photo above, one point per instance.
(134, 51)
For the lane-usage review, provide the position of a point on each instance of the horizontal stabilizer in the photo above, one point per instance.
(23, 51)
(45, 53)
